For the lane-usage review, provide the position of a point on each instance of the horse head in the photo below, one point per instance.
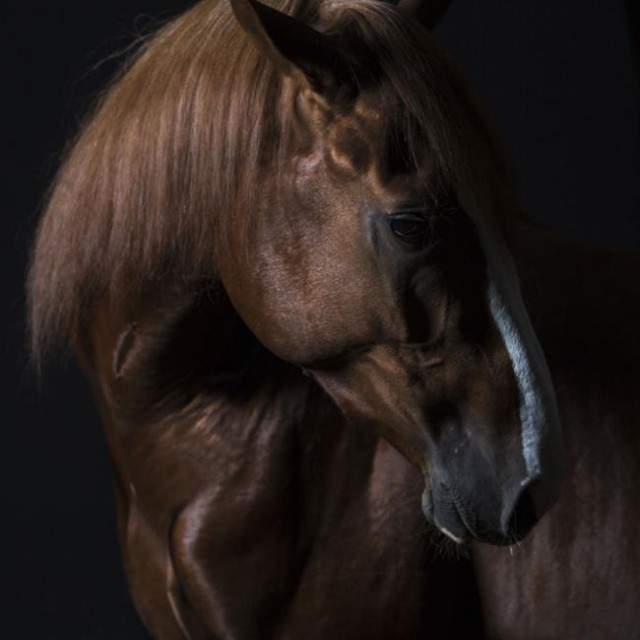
(379, 263)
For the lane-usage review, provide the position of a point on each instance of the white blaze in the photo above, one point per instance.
(541, 434)
(532, 411)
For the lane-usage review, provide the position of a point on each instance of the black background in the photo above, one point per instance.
(560, 80)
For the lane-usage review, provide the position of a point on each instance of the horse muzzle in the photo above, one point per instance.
(475, 494)
(463, 522)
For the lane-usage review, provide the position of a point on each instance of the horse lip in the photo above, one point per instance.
(459, 530)
(488, 536)
(459, 511)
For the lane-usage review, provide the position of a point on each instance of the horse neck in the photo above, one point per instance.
(180, 363)
(584, 303)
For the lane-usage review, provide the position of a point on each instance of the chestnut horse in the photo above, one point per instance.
(281, 250)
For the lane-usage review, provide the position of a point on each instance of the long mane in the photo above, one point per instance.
(173, 155)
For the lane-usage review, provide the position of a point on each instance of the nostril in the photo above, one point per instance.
(523, 516)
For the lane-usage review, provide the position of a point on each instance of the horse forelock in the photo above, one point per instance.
(175, 157)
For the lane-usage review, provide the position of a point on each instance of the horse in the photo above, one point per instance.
(285, 250)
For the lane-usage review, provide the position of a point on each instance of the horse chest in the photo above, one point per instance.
(303, 536)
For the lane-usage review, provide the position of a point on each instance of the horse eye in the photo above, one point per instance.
(410, 228)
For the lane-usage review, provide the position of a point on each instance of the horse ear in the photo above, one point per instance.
(428, 12)
(298, 50)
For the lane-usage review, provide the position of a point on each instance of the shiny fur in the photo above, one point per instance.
(286, 387)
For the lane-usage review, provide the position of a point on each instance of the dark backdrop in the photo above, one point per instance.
(558, 77)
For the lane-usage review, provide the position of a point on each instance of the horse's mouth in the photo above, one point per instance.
(449, 520)
(454, 521)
